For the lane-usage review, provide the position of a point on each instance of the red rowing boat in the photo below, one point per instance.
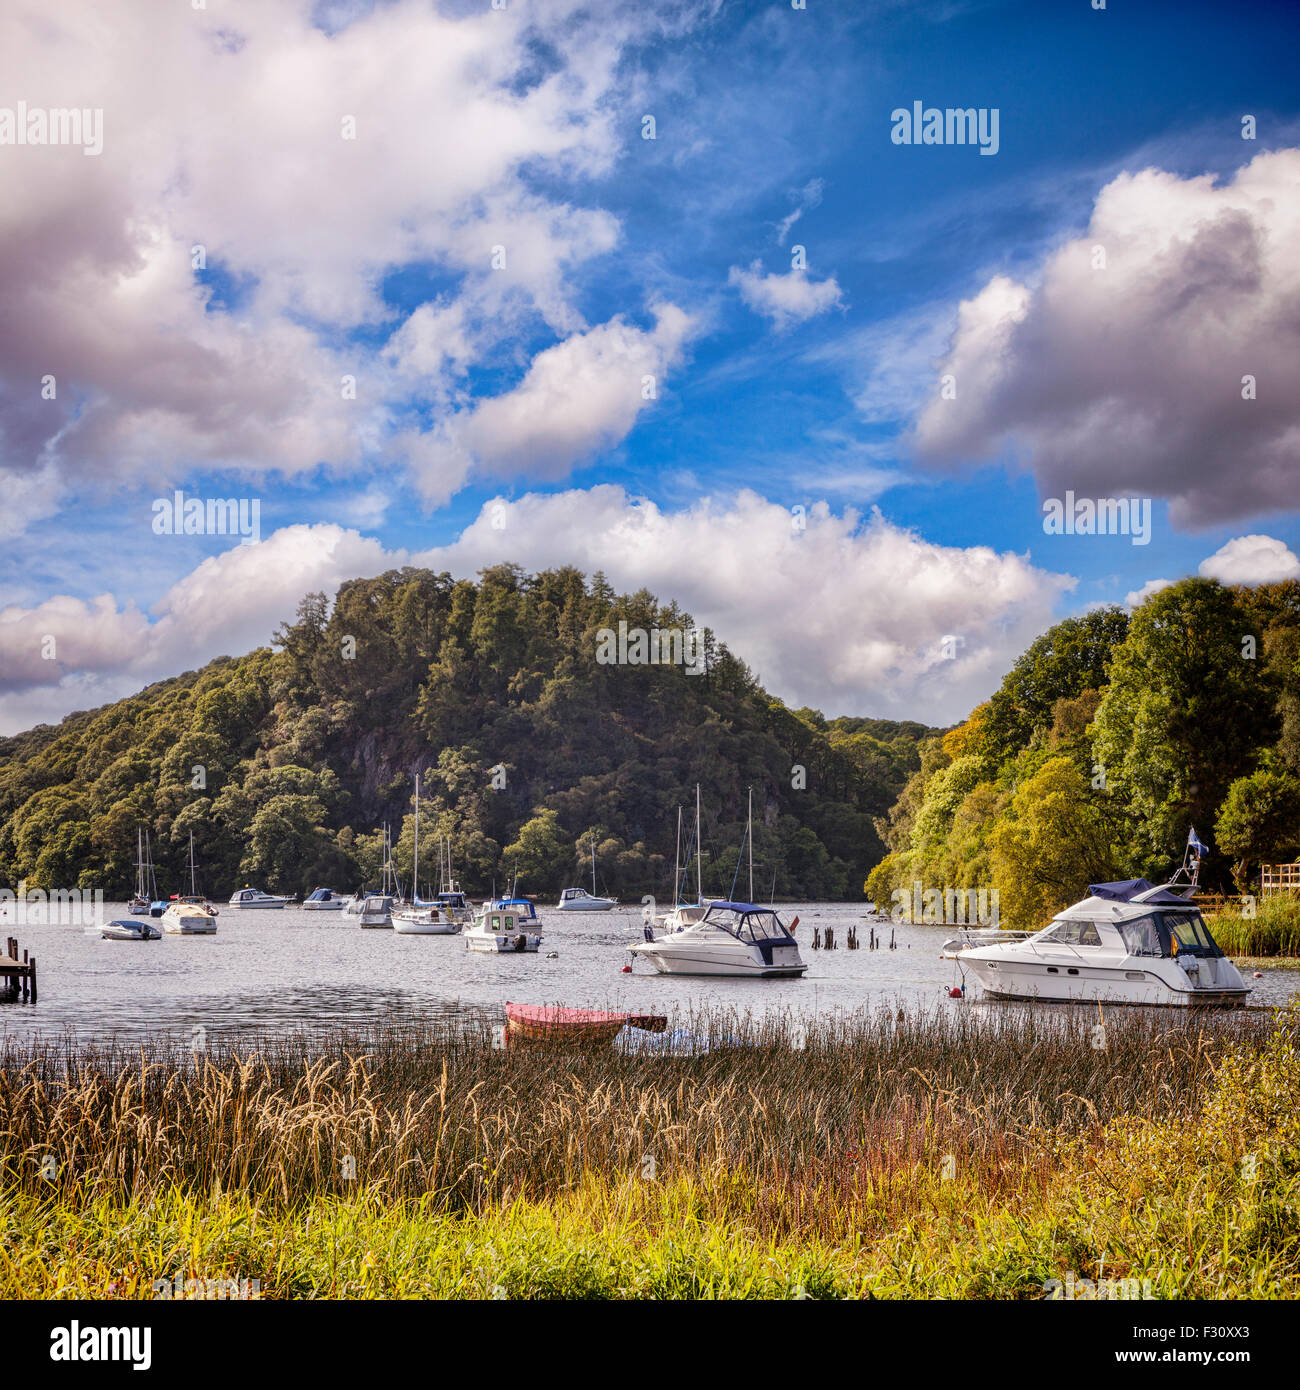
(548, 1023)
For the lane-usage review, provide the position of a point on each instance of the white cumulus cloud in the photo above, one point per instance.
(785, 299)
(1119, 371)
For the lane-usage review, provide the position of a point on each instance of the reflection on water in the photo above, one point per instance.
(290, 969)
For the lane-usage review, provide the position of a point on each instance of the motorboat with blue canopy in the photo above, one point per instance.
(1129, 942)
(729, 938)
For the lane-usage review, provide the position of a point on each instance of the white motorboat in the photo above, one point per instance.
(1126, 943)
(579, 900)
(125, 929)
(254, 897)
(726, 938)
(377, 911)
(190, 914)
(323, 900)
(505, 925)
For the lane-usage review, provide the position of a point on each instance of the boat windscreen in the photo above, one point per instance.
(1189, 934)
(748, 926)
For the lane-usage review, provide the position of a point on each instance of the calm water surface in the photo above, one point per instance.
(290, 969)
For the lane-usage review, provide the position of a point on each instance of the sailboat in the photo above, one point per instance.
(579, 900)
(685, 914)
(376, 909)
(725, 938)
(140, 902)
(421, 919)
(453, 902)
(190, 914)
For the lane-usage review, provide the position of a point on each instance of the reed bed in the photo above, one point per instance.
(1273, 931)
(887, 1152)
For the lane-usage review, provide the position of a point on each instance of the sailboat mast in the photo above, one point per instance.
(699, 851)
(139, 861)
(749, 833)
(677, 861)
(415, 885)
(593, 867)
(194, 892)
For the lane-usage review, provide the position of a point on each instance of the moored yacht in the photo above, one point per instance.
(323, 900)
(726, 938)
(1126, 943)
(190, 914)
(254, 897)
(579, 900)
(505, 925)
(376, 911)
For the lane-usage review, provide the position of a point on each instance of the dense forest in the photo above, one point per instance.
(1111, 738)
(285, 763)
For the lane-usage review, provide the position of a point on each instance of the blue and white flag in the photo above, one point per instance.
(1194, 843)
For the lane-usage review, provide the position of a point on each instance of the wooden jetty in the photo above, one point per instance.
(17, 977)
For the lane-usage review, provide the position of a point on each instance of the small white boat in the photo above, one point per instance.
(420, 918)
(125, 929)
(579, 900)
(739, 939)
(143, 875)
(1126, 943)
(504, 926)
(424, 921)
(377, 911)
(254, 897)
(323, 900)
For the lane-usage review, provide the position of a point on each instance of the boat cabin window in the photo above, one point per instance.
(748, 926)
(1069, 933)
(1143, 937)
(1189, 934)
(496, 921)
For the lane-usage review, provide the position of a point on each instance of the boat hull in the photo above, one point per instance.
(418, 926)
(503, 943)
(699, 960)
(1032, 983)
(323, 907)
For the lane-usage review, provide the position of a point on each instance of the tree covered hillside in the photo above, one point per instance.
(284, 763)
(1110, 738)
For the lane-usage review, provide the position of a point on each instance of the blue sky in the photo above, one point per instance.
(772, 131)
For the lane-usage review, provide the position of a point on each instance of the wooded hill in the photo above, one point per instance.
(285, 762)
(1109, 739)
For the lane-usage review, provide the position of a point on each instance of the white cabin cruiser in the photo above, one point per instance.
(323, 900)
(505, 926)
(579, 900)
(1126, 943)
(725, 938)
(376, 911)
(254, 897)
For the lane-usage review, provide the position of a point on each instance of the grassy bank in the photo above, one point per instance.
(944, 1154)
(1273, 931)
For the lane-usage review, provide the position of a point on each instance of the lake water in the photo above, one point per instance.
(290, 969)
